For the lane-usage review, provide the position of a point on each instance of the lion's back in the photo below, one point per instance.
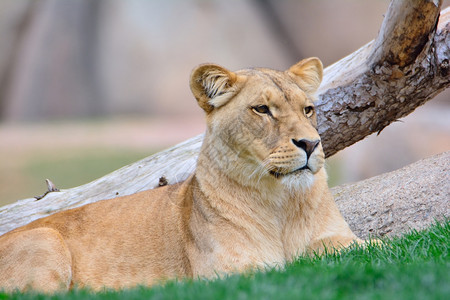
(110, 238)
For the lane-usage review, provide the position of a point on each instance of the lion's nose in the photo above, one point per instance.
(307, 145)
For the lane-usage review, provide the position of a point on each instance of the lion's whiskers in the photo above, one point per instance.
(261, 170)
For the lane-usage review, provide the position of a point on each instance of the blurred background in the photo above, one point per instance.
(89, 86)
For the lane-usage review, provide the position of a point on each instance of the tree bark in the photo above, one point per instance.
(407, 65)
(387, 78)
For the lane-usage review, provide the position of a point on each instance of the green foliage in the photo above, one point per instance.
(414, 266)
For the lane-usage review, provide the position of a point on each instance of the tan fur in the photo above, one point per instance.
(247, 204)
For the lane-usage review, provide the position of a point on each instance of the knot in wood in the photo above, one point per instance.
(444, 68)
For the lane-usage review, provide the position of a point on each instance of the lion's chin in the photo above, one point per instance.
(298, 171)
(298, 181)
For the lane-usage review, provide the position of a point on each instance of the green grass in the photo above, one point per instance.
(414, 266)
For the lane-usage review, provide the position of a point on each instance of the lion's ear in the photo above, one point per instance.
(308, 74)
(212, 86)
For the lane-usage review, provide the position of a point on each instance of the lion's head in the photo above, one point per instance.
(261, 123)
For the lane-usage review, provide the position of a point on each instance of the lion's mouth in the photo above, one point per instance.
(278, 174)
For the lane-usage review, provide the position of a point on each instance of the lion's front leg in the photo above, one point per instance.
(332, 243)
(336, 243)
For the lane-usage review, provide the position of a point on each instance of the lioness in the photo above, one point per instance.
(257, 198)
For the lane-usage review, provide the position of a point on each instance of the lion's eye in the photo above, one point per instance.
(261, 109)
(308, 110)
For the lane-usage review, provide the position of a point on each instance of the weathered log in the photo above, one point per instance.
(360, 94)
(409, 198)
(404, 32)
(372, 87)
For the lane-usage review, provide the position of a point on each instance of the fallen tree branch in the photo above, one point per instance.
(360, 94)
(375, 86)
(410, 198)
(404, 33)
